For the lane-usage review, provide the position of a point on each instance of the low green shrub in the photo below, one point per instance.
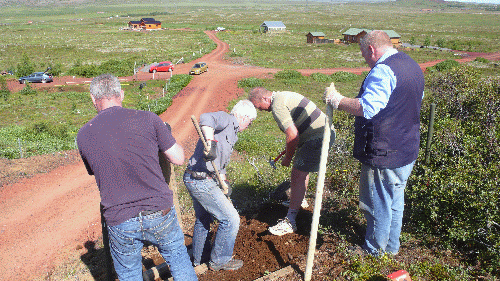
(60, 131)
(288, 74)
(40, 138)
(343, 76)
(441, 43)
(160, 105)
(4, 90)
(446, 65)
(290, 77)
(25, 67)
(456, 195)
(178, 82)
(321, 77)
(55, 69)
(250, 82)
(85, 70)
(28, 90)
(116, 67)
(481, 59)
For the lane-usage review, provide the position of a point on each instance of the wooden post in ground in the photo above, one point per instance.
(107, 251)
(319, 194)
(168, 172)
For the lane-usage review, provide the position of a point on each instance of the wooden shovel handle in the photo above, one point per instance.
(200, 134)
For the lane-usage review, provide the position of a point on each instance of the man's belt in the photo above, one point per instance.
(147, 213)
(199, 175)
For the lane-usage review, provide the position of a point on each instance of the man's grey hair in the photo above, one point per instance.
(378, 39)
(256, 94)
(245, 108)
(105, 86)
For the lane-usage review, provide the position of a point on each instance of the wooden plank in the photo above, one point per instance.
(168, 173)
(155, 272)
(277, 274)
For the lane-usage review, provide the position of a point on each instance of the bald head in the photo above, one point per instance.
(261, 98)
(374, 45)
(258, 93)
(378, 39)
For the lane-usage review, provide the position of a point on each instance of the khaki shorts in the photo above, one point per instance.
(308, 155)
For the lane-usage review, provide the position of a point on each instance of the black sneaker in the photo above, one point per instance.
(233, 264)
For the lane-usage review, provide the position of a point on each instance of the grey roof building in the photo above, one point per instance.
(353, 35)
(272, 26)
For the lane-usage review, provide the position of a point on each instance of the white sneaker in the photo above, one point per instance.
(283, 227)
(304, 203)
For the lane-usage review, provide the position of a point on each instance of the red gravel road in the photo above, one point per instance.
(45, 217)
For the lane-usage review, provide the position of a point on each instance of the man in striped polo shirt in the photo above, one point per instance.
(303, 124)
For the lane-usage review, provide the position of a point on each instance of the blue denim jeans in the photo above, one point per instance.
(126, 241)
(210, 203)
(381, 199)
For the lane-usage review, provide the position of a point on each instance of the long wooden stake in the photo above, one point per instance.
(107, 251)
(200, 133)
(319, 194)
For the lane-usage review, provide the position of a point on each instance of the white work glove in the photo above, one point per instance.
(332, 97)
(226, 186)
(211, 153)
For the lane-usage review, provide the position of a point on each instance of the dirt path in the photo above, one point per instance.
(43, 215)
(56, 212)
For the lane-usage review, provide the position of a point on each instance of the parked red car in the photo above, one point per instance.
(162, 66)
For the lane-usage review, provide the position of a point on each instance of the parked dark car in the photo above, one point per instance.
(36, 77)
(199, 68)
(162, 66)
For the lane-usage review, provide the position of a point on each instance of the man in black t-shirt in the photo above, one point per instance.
(120, 148)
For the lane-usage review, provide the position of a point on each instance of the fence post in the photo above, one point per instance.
(430, 131)
(20, 147)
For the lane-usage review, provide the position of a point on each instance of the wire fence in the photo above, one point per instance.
(22, 148)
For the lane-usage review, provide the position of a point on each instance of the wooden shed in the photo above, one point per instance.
(395, 37)
(354, 35)
(134, 24)
(145, 23)
(272, 26)
(313, 36)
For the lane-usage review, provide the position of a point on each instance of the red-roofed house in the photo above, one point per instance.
(145, 23)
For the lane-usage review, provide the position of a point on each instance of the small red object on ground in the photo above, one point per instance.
(400, 275)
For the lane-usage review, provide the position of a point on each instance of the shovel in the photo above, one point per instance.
(273, 162)
(200, 134)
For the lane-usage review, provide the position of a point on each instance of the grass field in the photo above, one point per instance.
(87, 32)
(90, 33)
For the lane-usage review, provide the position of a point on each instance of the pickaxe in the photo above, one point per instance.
(273, 162)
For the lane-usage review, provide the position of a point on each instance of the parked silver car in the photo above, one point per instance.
(36, 77)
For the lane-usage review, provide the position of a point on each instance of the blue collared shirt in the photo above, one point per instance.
(377, 87)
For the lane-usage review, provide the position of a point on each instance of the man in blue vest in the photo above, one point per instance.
(387, 137)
